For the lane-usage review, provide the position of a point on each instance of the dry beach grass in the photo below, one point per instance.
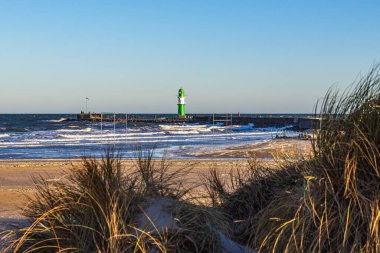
(100, 208)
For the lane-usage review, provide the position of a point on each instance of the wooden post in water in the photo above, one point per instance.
(126, 122)
(114, 122)
(126, 127)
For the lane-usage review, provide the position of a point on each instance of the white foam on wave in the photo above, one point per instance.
(190, 129)
(276, 129)
(88, 129)
(57, 120)
(4, 135)
(181, 127)
(110, 134)
(242, 128)
(182, 132)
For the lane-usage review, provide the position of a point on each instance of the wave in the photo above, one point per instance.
(199, 129)
(88, 129)
(181, 127)
(4, 135)
(248, 127)
(264, 129)
(112, 135)
(57, 120)
(15, 130)
(191, 129)
(181, 132)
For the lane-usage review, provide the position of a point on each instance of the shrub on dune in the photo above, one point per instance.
(88, 212)
(102, 208)
(245, 192)
(339, 208)
(335, 206)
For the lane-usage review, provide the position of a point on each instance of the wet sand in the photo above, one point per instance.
(289, 147)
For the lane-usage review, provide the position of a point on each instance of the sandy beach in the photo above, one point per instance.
(17, 180)
(17, 176)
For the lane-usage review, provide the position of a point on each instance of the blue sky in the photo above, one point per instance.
(230, 56)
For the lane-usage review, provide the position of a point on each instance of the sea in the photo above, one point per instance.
(50, 136)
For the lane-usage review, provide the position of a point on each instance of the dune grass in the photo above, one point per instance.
(326, 203)
(338, 207)
(95, 209)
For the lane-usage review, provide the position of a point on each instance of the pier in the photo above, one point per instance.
(298, 123)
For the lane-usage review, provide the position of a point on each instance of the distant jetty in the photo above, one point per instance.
(298, 123)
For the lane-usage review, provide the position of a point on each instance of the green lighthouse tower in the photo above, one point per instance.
(181, 103)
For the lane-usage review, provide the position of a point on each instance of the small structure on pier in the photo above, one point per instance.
(89, 116)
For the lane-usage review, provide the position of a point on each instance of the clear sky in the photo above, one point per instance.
(133, 56)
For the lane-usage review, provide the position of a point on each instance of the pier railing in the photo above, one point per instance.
(225, 118)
